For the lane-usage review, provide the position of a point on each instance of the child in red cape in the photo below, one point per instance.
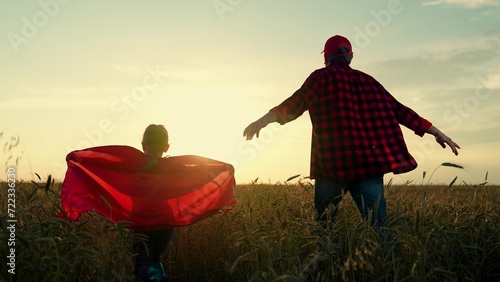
(148, 265)
(150, 193)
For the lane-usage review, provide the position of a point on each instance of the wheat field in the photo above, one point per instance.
(438, 233)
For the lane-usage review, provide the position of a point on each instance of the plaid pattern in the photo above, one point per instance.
(356, 133)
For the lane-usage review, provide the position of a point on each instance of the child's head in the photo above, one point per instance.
(155, 140)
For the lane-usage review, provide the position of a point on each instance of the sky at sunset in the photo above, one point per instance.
(78, 74)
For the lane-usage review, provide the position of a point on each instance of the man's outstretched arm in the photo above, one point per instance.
(442, 139)
(255, 127)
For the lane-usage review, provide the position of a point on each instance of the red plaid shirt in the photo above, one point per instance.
(355, 124)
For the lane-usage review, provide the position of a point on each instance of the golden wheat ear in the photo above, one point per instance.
(452, 165)
(443, 164)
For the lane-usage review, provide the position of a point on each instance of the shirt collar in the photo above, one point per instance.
(339, 63)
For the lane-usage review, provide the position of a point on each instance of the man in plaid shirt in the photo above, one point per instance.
(356, 137)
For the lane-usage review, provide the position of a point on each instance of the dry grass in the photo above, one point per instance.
(440, 234)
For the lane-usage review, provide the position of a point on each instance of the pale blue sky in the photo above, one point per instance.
(87, 73)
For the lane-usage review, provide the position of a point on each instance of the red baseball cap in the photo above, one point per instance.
(334, 43)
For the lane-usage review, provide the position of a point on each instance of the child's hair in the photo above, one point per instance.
(155, 138)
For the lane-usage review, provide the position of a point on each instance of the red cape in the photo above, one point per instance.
(112, 181)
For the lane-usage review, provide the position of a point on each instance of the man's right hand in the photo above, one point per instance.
(255, 127)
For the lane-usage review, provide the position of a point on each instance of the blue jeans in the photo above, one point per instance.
(147, 264)
(368, 195)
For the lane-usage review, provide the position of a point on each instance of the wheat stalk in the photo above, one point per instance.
(444, 164)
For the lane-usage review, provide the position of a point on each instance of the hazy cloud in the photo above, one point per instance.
(50, 103)
(446, 65)
(455, 83)
(464, 3)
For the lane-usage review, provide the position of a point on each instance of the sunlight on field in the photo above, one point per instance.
(440, 234)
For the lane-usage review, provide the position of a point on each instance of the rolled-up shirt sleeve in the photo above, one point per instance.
(410, 119)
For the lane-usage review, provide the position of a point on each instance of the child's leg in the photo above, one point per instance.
(144, 251)
(148, 252)
(160, 239)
